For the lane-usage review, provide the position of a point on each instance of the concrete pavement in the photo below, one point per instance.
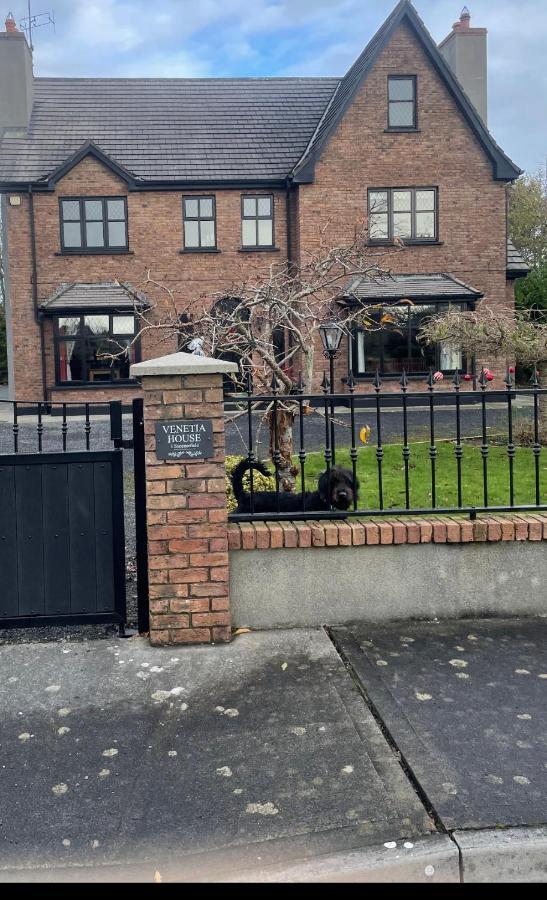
(288, 756)
(115, 754)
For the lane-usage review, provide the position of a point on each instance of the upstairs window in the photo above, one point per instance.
(93, 224)
(257, 222)
(199, 223)
(406, 213)
(402, 102)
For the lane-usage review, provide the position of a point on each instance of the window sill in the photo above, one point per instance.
(368, 379)
(407, 243)
(200, 250)
(259, 250)
(95, 253)
(402, 130)
(83, 386)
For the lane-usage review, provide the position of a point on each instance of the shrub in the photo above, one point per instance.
(524, 435)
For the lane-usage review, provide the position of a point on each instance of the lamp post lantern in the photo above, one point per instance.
(331, 336)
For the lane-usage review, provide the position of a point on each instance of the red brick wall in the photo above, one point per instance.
(25, 331)
(358, 532)
(155, 239)
(444, 153)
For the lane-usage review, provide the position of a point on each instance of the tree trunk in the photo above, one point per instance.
(281, 428)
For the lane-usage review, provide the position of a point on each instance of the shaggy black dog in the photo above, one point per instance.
(335, 490)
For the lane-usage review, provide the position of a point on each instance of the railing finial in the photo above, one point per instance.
(249, 381)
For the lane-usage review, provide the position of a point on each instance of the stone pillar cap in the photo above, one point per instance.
(182, 364)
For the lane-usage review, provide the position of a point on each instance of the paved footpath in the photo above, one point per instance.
(278, 758)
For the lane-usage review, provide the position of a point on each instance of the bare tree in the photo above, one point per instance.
(520, 337)
(270, 320)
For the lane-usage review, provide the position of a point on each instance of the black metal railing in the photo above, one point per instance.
(490, 411)
(40, 426)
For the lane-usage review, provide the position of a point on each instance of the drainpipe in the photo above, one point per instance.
(288, 213)
(289, 242)
(38, 318)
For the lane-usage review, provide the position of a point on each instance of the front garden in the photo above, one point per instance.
(393, 476)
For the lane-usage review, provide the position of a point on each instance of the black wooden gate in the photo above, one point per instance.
(62, 535)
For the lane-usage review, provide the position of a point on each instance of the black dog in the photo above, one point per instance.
(336, 489)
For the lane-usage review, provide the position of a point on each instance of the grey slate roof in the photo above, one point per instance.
(516, 264)
(410, 287)
(212, 130)
(171, 129)
(106, 296)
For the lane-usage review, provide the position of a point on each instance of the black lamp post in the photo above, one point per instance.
(331, 336)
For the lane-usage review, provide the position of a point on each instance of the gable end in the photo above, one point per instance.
(503, 167)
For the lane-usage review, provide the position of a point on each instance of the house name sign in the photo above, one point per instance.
(184, 439)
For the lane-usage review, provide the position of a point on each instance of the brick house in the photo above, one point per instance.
(199, 179)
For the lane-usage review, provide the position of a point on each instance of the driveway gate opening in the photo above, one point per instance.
(62, 534)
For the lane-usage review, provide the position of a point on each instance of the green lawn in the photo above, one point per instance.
(446, 476)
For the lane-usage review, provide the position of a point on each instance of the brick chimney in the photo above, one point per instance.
(11, 27)
(16, 80)
(465, 51)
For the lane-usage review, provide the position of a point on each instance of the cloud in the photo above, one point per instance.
(308, 37)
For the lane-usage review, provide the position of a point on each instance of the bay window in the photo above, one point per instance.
(94, 348)
(390, 345)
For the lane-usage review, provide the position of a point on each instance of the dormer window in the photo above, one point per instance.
(402, 114)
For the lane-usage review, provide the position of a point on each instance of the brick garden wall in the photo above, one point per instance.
(311, 574)
(360, 532)
(207, 574)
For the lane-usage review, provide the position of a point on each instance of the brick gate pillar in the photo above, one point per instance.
(186, 498)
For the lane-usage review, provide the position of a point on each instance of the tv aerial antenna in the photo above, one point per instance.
(36, 20)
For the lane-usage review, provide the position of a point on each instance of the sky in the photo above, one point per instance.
(215, 38)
